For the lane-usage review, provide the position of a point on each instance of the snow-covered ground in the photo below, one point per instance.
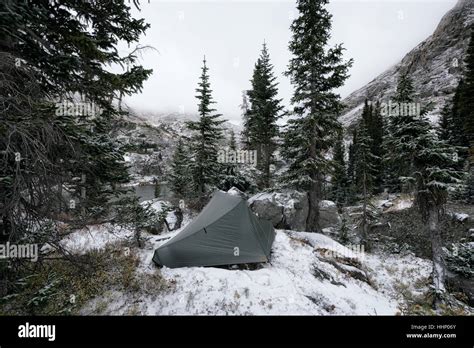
(309, 274)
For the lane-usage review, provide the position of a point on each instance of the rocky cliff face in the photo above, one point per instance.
(435, 66)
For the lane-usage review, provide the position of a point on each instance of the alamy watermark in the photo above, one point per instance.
(237, 156)
(355, 251)
(79, 108)
(19, 251)
(400, 109)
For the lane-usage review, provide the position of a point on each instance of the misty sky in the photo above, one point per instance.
(376, 34)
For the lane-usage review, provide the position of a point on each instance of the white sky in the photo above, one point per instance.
(376, 34)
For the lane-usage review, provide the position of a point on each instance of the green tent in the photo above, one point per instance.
(226, 232)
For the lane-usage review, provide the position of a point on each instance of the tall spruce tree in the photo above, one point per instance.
(231, 174)
(351, 173)
(377, 134)
(315, 71)
(435, 172)
(207, 133)
(57, 148)
(245, 134)
(232, 141)
(445, 131)
(364, 173)
(265, 110)
(180, 176)
(340, 181)
(404, 128)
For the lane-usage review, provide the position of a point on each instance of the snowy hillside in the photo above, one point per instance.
(435, 66)
(309, 274)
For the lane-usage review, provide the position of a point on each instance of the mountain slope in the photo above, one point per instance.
(435, 66)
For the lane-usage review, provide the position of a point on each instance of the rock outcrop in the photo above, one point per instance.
(289, 209)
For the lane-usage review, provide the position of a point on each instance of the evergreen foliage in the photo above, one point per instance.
(180, 176)
(265, 109)
(315, 71)
(207, 133)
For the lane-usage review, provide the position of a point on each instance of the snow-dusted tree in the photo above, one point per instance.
(405, 91)
(207, 133)
(445, 130)
(452, 121)
(340, 181)
(180, 175)
(352, 188)
(265, 110)
(315, 71)
(245, 134)
(232, 141)
(364, 174)
(434, 172)
(405, 125)
(377, 134)
(231, 175)
(45, 147)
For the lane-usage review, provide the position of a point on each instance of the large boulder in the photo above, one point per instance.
(266, 206)
(289, 209)
(328, 214)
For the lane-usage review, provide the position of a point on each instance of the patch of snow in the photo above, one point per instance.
(400, 204)
(461, 217)
(326, 204)
(94, 237)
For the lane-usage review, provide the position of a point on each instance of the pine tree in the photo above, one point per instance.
(405, 126)
(340, 181)
(364, 173)
(205, 167)
(351, 176)
(315, 72)
(377, 134)
(265, 110)
(66, 61)
(445, 124)
(180, 177)
(232, 141)
(245, 107)
(459, 136)
(231, 174)
(434, 174)
(405, 91)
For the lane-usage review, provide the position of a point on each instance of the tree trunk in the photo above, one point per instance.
(364, 226)
(312, 222)
(439, 264)
(314, 193)
(267, 167)
(470, 184)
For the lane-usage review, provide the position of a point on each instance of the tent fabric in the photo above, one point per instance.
(226, 232)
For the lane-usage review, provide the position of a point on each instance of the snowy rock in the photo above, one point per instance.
(266, 207)
(459, 217)
(435, 66)
(287, 209)
(234, 191)
(328, 214)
